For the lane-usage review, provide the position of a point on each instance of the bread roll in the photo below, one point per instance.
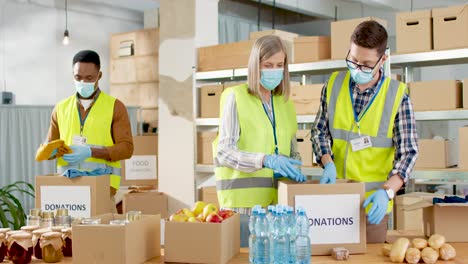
(386, 249)
(419, 243)
(447, 252)
(429, 255)
(398, 251)
(436, 241)
(413, 255)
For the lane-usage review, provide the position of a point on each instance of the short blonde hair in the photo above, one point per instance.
(263, 49)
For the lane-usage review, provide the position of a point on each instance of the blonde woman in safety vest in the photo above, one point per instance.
(365, 128)
(256, 142)
(94, 124)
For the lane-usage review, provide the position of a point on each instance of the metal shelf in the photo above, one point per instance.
(301, 119)
(432, 58)
(442, 115)
(446, 175)
(311, 171)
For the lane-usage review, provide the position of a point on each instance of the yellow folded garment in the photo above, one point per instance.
(45, 150)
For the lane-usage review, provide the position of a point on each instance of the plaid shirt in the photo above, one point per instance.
(404, 131)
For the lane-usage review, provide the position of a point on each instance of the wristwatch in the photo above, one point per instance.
(390, 193)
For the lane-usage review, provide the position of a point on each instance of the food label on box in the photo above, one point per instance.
(333, 219)
(141, 167)
(77, 199)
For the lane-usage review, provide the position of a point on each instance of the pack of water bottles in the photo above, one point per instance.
(279, 236)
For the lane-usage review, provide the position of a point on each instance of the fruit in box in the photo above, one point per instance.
(226, 213)
(178, 218)
(194, 220)
(198, 207)
(208, 209)
(214, 218)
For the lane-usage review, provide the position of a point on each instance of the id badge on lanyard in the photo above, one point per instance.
(360, 143)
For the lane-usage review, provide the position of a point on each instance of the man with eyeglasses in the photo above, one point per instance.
(365, 128)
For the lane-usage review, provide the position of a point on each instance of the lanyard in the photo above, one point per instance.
(82, 121)
(358, 118)
(272, 122)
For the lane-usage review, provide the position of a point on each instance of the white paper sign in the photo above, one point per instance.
(77, 199)
(141, 167)
(333, 219)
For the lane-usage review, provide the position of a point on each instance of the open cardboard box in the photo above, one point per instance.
(133, 243)
(447, 219)
(148, 202)
(202, 242)
(334, 211)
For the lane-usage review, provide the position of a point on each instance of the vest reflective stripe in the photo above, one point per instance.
(238, 189)
(96, 129)
(370, 165)
(244, 183)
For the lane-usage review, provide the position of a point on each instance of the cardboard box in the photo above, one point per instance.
(208, 195)
(448, 219)
(411, 220)
(436, 154)
(309, 49)
(334, 210)
(205, 148)
(143, 95)
(287, 37)
(141, 168)
(465, 94)
(304, 147)
(133, 243)
(82, 196)
(341, 32)
(414, 31)
(148, 202)
(462, 149)
(450, 27)
(202, 242)
(224, 56)
(129, 70)
(143, 42)
(210, 97)
(306, 98)
(436, 95)
(393, 235)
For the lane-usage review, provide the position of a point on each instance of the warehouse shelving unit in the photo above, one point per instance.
(406, 62)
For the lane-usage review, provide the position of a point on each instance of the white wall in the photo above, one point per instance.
(38, 68)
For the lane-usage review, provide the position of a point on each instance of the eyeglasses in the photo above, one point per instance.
(363, 68)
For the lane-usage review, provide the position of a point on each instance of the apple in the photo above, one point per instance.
(200, 217)
(193, 219)
(187, 212)
(214, 218)
(198, 207)
(178, 218)
(208, 209)
(226, 213)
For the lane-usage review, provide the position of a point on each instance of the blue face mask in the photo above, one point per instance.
(271, 78)
(361, 77)
(85, 89)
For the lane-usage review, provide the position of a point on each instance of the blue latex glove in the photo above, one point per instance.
(379, 200)
(284, 166)
(79, 154)
(329, 174)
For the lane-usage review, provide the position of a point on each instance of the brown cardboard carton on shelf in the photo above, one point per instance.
(447, 219)
(310, 49)
(82, 196)
(136, 94)
(141, 43)
(205, 148)
(411, 220)
(210, 96)
(148, 202)
(202, 242)
(224, 56)
(450, 27)
(414, 31)
(141, 168)
(133, 243)
(341, 32)
(304, 147)
(436, 95)
(465, 94)
(462, 148)
(436, 154)
(208, 195)
(306, 98)
(393, 235)
(287, 37)
(335, 213)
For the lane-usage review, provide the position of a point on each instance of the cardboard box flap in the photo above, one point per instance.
(312, 39)
(414, 16)
(449, 12)
(417, 205)
(451, 204)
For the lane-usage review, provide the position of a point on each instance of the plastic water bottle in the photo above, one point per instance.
(271, 218)
(302, 240)
(252, 221)
(261, 240)
(280, 238)
(292, 234)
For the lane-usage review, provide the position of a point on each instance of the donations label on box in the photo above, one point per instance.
(141, 167)
(77, 199)
(333, 219)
